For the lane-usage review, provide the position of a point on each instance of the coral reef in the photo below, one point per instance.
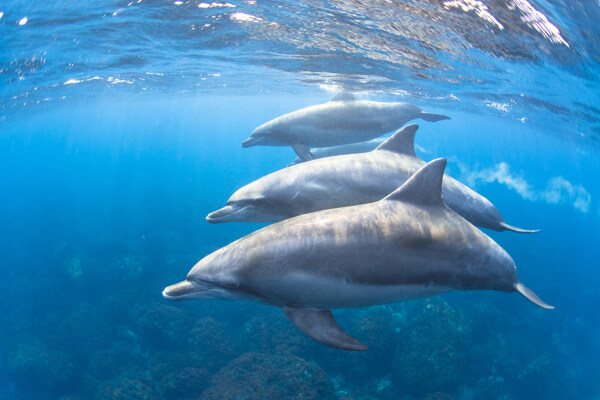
(255, 376)
(184, 383)
(163, 326)
(374, 327)
(83, 332)
(490, 388)
(209, 341)
(80, 267)
(119, 358)
(270, 330)
(71, 397)
(438, 396)
(51, 370)
(430, 353)
(130, 386)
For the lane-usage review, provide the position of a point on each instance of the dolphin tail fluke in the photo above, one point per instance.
(532, 297)
(319, 324)
(433, 117)
(515, 229)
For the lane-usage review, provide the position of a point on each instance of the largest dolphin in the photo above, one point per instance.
(349, 180)
(342, 120)
(405, 246)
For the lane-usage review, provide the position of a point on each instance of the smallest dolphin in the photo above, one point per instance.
(343, 120)
(352, 148)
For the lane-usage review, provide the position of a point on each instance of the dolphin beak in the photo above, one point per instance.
(220, 215)
(249, 142)
(182, 290)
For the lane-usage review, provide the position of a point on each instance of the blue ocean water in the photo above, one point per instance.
(120, 130)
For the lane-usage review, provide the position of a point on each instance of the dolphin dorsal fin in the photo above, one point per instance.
(424, 187)
(343, 96)
(403, 141)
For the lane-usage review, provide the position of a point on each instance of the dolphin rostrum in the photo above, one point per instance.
(349, 180)
(342, 120)
(405, 246)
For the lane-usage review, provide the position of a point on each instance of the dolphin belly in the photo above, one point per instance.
(304, 290)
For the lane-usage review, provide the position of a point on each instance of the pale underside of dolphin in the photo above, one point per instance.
(350, 179)
(352, 148)
(343, 120)
(405, 246)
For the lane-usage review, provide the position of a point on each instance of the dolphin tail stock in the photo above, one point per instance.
(532, 297)
(432, 117)
(319, 324)
(515, 229)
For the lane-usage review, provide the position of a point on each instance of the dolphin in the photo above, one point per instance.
(349, 180)
(352, 148)
(407, 245)
(342, 120)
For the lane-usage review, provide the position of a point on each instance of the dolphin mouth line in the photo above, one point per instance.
(221, 213)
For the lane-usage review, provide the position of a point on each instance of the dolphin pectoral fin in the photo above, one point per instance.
(303, 151)
(532, 297)
(515, 229)
(319, 324)
(433, 117)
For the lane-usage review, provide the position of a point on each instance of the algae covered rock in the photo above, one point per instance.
(84, 331)
(430, 354)
(255, 376)
(80, 267)
(120, 357)
(371, 367)
(271, 330)
(162, 325)
(209, 341)
(184, 383)
(132, 386)
(32, 362)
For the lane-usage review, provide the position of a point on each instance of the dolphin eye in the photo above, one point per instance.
(229, 284)
(260, 199)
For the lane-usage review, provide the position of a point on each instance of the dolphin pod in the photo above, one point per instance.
(349, 180)
(342, 120)
(407, 245)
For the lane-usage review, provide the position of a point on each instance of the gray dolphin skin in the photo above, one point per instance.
(342, 120)
(407, 245)
(352, 148)
(349, 180)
